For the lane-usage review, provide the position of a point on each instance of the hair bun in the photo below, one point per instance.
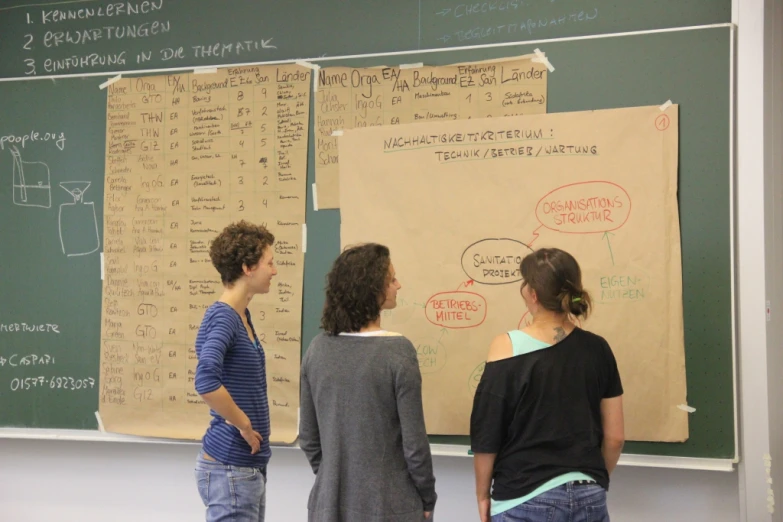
(576, 303)
(580, 304)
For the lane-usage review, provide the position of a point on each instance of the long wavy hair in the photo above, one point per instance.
(356, 288)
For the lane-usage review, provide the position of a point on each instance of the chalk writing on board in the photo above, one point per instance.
(80, 48)
(78, 223)
(515, 24)
(107, 32)
(32, 359)
(84, 62)
(84, 36)
(480, 8)
(29, 328)
(33, 136)
(32, 182)
(53, 383)
(223, 49)
(113, 10)
(475, 10)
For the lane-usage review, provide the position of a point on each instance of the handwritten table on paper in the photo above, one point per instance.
(186, 155)
(350, 98)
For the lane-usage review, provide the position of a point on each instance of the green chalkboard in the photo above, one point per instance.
(92, 36)
(59, 131)
(692, 68)
(64, 121)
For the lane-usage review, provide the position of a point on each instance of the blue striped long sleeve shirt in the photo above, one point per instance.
(227, 357)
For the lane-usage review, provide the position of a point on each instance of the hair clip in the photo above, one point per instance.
(576, 299)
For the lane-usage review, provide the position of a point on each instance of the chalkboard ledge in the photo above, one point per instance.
(84, 436)
(440, 450)
(664, 461)
(630, 460)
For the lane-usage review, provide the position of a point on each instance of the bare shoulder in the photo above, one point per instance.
(500, 348)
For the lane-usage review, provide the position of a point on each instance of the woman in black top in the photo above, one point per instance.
(547, 420)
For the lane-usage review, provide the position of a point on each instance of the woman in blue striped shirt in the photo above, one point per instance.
(231, 378)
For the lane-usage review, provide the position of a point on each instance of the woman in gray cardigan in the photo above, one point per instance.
(361, 418)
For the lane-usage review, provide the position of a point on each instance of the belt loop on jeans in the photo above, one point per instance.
(583, 482)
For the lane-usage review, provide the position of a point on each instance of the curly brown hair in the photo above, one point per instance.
(355, 288)
(557, 279)
(239, 244)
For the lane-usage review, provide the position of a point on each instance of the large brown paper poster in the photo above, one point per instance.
(186, 155)
(461, 203)
(350, 98)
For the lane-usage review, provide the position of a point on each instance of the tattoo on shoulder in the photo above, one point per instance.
(559, 334)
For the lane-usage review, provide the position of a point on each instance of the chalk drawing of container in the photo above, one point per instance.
(78, 223)
(32, 183)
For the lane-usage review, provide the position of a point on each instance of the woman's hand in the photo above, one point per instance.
(253, 438)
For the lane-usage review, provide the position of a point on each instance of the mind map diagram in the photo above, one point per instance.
(598, 208)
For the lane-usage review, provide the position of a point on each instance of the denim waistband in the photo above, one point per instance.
(215, 465)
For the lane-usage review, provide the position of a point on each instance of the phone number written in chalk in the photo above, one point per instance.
(54, 383)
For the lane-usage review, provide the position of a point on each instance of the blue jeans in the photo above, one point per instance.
(231, 492)
(566, 503)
